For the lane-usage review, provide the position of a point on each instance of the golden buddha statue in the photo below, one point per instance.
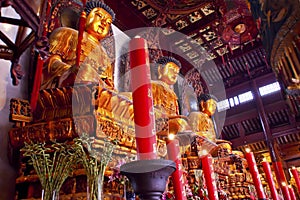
(95, 66)
(201, 122)
(164, 98)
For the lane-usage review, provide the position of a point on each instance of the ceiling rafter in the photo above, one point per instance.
(14, 49)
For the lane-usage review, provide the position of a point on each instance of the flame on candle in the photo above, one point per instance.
(204, 152)
(283, 184)
(248, 150)
(171, 136)
(293, 167)
(290, 186)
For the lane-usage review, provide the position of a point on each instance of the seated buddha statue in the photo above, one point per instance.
(164, 98)
(94, 65)
(201, 122)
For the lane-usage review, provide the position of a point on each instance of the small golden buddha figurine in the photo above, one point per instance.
(164, 98)
(201, 122)
(61, 69)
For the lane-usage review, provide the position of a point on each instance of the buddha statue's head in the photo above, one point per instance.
(99, 19)
(168, 69)
(207, 104)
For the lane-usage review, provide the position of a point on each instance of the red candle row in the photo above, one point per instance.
(146, 137)
(287, 191)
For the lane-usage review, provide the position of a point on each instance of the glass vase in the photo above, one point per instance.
(95, 188)
(49, 195)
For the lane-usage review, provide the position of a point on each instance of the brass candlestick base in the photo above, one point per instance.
(148, 177)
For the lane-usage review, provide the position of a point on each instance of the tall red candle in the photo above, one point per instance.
(40, 61)
(177, 175)
(145, 133)
(292, 193)
(269, 176)
(255, 175)
(208, 170)
(281, 179)
(285, 191)
(296, 177)
(252, 196)
(82, 22)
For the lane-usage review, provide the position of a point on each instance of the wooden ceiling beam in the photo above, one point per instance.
(27, 14)
(26, 43)
(290, 152)
(127, 20)
(240, 52)
(262, 80)
(286, 130)
(6, 53)
(17, 22)
(248, 139)
(20, 35)
(7, 41)
(293, 162)
(246, 114)
(241, 116)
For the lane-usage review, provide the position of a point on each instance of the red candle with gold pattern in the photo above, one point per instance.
(209, 175)
(270, 180)
(255, 174)
(294, 171)
(177, 175)
(145, 133)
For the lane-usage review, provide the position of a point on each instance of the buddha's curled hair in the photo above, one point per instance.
(90, 5)
(166, 59)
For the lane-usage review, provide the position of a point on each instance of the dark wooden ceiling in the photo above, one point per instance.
(211, 25)
(227, 33)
